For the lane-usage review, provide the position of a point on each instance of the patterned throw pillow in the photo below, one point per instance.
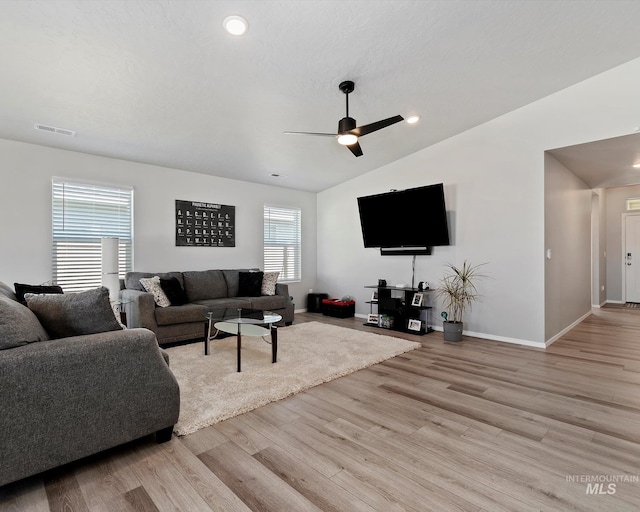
(269, 280)
(152, 285)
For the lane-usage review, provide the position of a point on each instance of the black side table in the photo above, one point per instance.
(314, 302)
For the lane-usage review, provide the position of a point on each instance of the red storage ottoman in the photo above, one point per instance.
(338, 308)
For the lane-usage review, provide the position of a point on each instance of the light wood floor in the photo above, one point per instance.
(474, 426)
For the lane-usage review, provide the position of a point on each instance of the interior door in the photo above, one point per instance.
(632, 258)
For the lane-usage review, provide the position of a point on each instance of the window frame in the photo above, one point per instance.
(632, 204)
(76, 235)
(294, 274)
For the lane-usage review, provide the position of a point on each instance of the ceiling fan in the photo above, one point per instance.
(348, 132)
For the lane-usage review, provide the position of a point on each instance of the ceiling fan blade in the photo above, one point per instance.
(312, 133)
(355, 149)
(374, 127)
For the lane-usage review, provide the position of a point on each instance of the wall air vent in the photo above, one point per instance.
(53, 129)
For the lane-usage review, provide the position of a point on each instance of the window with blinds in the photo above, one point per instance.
(282, 246)
(82, 214)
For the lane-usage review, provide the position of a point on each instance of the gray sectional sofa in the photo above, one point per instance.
(66, 398)
(206, 290)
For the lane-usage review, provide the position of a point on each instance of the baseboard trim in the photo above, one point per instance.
(564, 331)
(303, 310)
(614, 302)
(471, 334)
(503, 339)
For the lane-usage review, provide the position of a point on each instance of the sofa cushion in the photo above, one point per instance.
(152, 286)
(224, 303)
(21, 289)
(250, 284)
(180, 314)
(269, 281)
(174, 291)
(74, 314)
(232, 277)
(204, 284)
(132, 279)
(266, 303)
(6, 291)
(18, 325)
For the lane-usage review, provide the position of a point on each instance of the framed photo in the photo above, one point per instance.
(372, 319)
(417, 300)
(386, 321)
(374, 296)
(414, 325)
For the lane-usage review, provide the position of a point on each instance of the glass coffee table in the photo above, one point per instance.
(242, 322)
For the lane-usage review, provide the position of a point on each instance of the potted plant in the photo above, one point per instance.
(458, 291)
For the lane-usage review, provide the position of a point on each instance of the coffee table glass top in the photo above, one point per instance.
(243, 316)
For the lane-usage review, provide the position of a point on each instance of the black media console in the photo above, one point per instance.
(400, 309)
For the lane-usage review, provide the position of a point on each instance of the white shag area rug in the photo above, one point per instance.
(211, 390)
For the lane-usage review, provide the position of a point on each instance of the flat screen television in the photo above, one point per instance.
(416, 217)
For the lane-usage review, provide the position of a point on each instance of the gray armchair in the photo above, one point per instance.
(67, 398)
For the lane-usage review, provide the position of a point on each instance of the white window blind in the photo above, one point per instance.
(83, 213)
(282, 246)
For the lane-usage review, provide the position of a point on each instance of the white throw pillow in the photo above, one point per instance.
(152, 285)
(269, 280)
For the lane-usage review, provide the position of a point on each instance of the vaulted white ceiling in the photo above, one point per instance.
(158, 81)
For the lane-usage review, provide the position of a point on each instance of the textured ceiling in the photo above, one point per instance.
(158, 81)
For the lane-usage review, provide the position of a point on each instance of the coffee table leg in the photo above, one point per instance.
(239, 346)
(207, 335)
(274, 343)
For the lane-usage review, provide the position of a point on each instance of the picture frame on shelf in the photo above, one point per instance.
(414, 325)
(385, 321)
(417, 300)
(373, 319)
(374, 296)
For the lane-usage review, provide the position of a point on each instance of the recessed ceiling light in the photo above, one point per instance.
(235, 25)
(637, 166)
(413, 119)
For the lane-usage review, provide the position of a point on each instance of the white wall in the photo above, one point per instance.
(616, 206)
(567, 220)
(494, 186)
(599, 247)
(25, 213)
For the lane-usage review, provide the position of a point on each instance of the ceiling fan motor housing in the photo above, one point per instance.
(346, 124)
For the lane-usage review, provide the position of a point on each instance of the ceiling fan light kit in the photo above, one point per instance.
(348, 131)
(347, 139)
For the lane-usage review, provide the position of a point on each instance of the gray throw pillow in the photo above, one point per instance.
(18, 325)
(74, 314)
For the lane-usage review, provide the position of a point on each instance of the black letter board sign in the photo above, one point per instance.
(205, 224)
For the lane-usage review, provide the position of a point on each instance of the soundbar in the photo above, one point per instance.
(404, 251)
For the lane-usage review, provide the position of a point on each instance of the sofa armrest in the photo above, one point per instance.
(282, 289)
(288, 313)
(68, 398)
(140, 309)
